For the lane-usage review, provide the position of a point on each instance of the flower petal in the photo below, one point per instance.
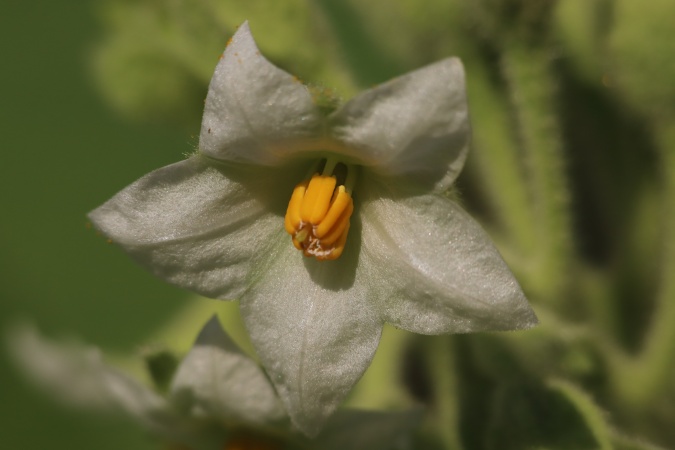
(441, 270)
(216, 380)
(254, 111)
(415, 126)
(78, 376)
(313, 329)
(197, 225)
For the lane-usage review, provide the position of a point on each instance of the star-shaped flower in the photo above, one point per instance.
(362, 193)
(219, 398)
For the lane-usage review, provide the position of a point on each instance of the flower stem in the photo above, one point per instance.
(526, 70)
(640, 380)
(368, 61)
(443, 371)
(497, 159)
(584, 404)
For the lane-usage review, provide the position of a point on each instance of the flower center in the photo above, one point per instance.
(318, 213)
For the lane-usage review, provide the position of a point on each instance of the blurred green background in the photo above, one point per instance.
(64, 151)
(572, 172)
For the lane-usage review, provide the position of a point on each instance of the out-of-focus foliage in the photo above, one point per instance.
(572, 172)
(159, 59)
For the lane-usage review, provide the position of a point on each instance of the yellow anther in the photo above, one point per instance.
(317, 198)
(340, 244)
(339, 204)
(340, 227)
(318, 217)
(292, 220)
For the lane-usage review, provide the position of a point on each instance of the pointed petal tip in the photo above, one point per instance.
(254, 111)
(512, 313)
(243, 31)
(453, 64)
(522, 320)
(531, 321)
(97, 219)
(315, 343)
(241, 42)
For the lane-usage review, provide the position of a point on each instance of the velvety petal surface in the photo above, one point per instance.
(439, 269)
(415, 126)
(254, 111)
(216, 380)
(77, 376)
(199, 225)
(314, 330)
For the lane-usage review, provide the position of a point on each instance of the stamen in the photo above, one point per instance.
(317, 198)
(339, 229)
(319, 210)
(292, 219)
(339, 204)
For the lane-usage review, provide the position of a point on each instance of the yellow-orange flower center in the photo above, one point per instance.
(318, 216)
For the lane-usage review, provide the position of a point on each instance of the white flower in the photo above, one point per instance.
(219, 398)
(214, 223)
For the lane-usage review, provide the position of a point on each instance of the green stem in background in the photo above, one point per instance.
(593, 416)
(640, 380)
(440, 352)
(531, 86)
(497, 159)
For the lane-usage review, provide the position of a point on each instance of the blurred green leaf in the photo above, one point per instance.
(641, 48)
(528, 415)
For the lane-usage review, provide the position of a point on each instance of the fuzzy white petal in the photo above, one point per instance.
(314, 330)
(440, 268)
(199, 225)
(415, 126)
(254, 111)
(216, 380)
